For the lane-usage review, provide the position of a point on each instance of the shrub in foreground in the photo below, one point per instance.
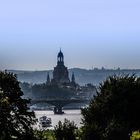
(65, 131)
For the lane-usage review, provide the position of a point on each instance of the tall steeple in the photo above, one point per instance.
(48, 79)
(73, 78)
(60, 58)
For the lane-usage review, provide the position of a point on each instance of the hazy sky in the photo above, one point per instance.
(91, 33)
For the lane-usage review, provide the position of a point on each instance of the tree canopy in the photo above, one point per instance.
(65, 131)
(115, 111)
(15, 118)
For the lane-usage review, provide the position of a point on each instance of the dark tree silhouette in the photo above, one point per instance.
(65, 131)
(115, 112)
(15, 118)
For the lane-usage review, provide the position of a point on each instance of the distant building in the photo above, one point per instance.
(60, 73)
(61, 78)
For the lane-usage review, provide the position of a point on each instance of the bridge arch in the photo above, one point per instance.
(59, 103)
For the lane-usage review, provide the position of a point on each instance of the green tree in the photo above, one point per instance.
(65, 131)
(15, 118)
(115, 111)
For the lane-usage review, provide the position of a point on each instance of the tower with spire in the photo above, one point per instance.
(73, 78)
(48, 79)
(60, 73)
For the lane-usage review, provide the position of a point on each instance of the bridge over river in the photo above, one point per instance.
(58, 103)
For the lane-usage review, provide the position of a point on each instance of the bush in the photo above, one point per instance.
(135, 135)
(44, 134)
(65, 131)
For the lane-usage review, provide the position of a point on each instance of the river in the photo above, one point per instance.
(72, 115)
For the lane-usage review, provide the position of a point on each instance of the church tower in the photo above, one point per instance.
(60, 73)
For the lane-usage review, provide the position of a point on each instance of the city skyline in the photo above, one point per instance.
(90, 33)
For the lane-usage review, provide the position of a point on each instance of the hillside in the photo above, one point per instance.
(82, 76)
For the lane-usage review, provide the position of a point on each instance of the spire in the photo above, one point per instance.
(60, 58)
(73, 78)
(48, 79)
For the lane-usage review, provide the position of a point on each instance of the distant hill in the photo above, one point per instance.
(82, 76)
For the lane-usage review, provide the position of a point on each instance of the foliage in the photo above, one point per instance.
(26, 88)
(65, 131)
(44, 134)
(114, 113)
(135, 135)
(15, 118)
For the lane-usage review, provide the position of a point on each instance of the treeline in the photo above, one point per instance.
(47, 91)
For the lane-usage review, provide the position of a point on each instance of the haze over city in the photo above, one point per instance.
(90, 33)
